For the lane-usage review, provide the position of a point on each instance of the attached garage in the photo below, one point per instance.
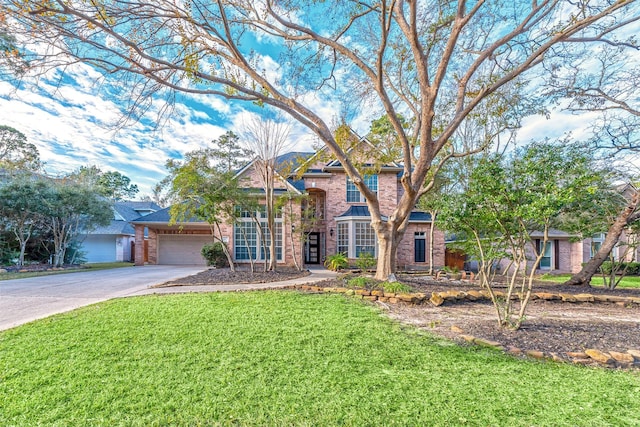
(181, 249)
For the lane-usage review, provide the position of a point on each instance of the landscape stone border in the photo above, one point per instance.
(612, 359)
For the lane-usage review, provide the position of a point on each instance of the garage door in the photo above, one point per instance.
(99, 248)
(181, 249)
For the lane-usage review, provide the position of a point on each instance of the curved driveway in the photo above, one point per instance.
(25, 300)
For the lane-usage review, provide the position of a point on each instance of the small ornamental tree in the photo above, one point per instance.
(70, 210)
(509, 198)
(205, 192)
(266, 140)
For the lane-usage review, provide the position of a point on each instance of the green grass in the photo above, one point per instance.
(626, 282)
(282, 359)
(84, 267)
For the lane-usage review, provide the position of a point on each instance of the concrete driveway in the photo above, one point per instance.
(25, 300)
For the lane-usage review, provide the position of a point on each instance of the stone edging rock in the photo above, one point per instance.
(612, 359)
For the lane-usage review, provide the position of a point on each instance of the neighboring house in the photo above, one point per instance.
(566, 253)
(115, 242)
(340, 219)
(563, 253)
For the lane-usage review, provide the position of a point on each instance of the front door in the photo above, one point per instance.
(312, 250)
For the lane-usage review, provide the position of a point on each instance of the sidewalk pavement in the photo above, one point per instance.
(317, 275)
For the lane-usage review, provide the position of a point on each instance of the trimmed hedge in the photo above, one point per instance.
(633, 268)
(214, 254)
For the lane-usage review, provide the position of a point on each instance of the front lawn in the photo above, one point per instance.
(626, 282)
(282, 358)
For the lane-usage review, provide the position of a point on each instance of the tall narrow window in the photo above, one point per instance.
(245, 240)
(546, 261)
(419, 247)
(343, 238)
(596, 243)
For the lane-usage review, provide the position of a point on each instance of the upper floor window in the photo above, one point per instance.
(354, 195)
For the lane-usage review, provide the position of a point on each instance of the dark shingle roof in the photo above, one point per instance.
(356, 211)
(419, 216)
(292, 160)
(363, 211)
(128, 211)
(158, 216)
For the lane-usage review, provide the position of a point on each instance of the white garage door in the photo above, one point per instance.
(99, 248)
(174, 249)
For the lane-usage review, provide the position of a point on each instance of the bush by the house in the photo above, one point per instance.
(214, 254)
(395, 287)
(361, 282)
(632, 268)
(365, 261)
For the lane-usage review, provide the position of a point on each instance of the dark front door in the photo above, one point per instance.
(419, 249)
(312, 252)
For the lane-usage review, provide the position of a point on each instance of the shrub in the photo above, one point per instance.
(361, 282)
(214, 254)
(365, 261)
(632, 268)
(395, 287)
(336, 262)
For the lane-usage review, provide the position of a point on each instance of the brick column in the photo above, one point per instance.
(139, 245)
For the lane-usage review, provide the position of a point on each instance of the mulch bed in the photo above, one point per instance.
(550, 326)
(224, 276)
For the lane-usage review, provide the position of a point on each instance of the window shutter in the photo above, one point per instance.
(556, 254)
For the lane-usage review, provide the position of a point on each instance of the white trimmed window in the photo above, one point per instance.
(365, 239)
(354, 195)
(596, 243)
(247, 240)
(343, 238)
(547, 258)
(356, 237)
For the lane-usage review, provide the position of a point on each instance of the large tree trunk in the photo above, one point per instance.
(387, 247)
(626, 217)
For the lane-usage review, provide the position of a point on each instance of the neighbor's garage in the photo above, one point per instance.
(181, 249)
(100, 248)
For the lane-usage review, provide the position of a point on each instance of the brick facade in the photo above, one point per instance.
(328, 186)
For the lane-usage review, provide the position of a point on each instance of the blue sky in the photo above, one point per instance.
(71, 123)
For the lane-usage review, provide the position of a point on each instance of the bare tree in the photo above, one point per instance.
(267, 140)
(431, 61)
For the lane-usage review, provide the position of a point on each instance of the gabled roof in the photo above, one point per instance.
(163, 216)
(123, 213)
(289, 161)
(335, 164)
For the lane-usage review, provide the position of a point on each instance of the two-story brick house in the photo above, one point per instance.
(339, 221)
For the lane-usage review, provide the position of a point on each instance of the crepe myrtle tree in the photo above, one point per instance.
(508, 197)
(204, 190)
(68, 210)
(429, 61)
